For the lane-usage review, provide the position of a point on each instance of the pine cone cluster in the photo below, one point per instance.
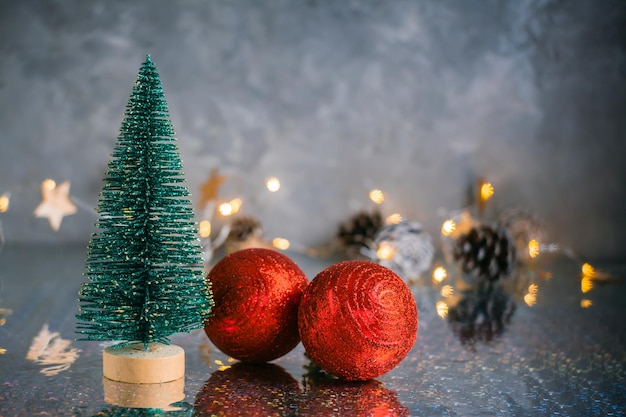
(360, 230)
(244, 228)
(485, 252)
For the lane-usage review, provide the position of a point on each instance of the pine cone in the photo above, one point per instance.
(360, 230)
(485, 252)
(243, 228)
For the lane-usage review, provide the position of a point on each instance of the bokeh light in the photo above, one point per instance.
(281, 243)
(439, 274)
(272, 184)
(204, 228)
(486, 191)
(377, 196)
(448, 227)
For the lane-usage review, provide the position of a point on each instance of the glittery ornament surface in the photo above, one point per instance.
(144, 263)
(257, 292)
(246, 389)
(357, 320)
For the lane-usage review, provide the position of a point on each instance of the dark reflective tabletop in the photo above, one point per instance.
(547, 343)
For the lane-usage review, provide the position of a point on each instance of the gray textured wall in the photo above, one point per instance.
(417, 98)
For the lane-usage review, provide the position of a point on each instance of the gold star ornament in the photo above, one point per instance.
(55, 203)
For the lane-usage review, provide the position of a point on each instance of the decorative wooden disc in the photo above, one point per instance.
(132, 364)
(128, 395)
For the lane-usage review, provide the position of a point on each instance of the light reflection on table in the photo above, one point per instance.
(548, 342)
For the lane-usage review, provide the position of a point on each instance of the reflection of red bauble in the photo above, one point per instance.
(357, 320)
(256, 293)
(362, 398)
(248, 389)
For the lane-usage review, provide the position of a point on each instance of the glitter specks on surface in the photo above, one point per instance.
(554, 358)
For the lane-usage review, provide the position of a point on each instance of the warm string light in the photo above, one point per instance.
(48, 184)
(385, 251)
(272, 184)
(4, 203)
(531, 297)
(442, 309)
(281, 243)
(533, 248)
(229, 208)
(486, 191)
(585, 303)
(377, 196)
(439, 274)
(447, 291)
(448, 227)
(204, 229)
(394, 218)
(586, 284)
(588, 270)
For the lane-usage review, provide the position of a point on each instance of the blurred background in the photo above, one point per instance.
(334, 98)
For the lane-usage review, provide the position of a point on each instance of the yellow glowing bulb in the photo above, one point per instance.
(448, 227)
(49, 184)
(229, 208)
(588, 270)
(439, 274)
(272, 184)
(486, 191)
(442, 309)
(280, 243)
(447, 291)
(385, 251)
(236, 203)
(377, 196)
(225, 209)
(3, 351)
(586, 303)
(530, 299)
(394, 218)
(586, 284)
(204, 229)
(533, 248)
(4, 203)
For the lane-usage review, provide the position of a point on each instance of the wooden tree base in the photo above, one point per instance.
(132, 364)
(128, 395)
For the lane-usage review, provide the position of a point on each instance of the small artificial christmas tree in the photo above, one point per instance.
(144, 264)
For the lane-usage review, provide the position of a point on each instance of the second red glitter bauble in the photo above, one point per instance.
(256, 293)
(357, 320)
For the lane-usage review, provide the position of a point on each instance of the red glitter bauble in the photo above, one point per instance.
(357, 320)
(256, 293)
